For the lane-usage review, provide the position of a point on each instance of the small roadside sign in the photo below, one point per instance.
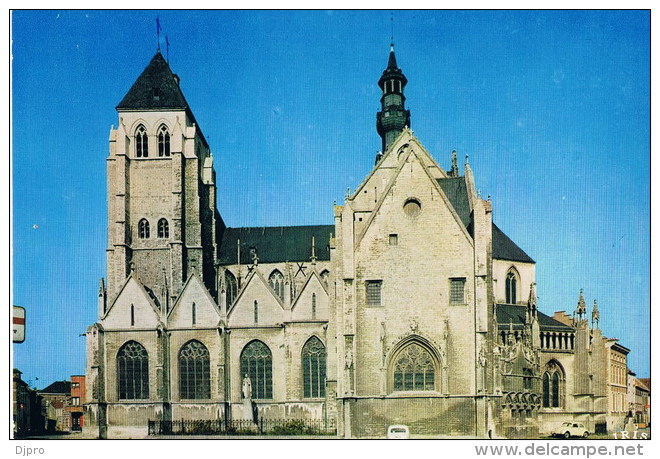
(18, 324)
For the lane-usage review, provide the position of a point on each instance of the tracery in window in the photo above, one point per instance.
(141, 142)
(276, 281)
(163, 228)
(143, 229)
(163, 141)
(414, 369)
(194, 371)
(314, 368)
(257, 364)
(553, 385)
(133, 371)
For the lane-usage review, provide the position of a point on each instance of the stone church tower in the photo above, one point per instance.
(162, 217)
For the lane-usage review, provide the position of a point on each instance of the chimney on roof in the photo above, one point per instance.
(177, 79)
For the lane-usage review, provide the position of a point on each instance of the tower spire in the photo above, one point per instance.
(393, 116)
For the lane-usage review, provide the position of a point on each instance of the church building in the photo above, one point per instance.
(327, 324)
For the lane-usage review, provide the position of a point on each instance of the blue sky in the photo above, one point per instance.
(552, 107)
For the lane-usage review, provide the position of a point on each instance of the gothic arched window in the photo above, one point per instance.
(163, 228)
(257, 364)
(553, 385)
(141, 142)
(143, 229)
(511, 286)
(231, 288)
(276, 281)
(413, 369)
(314, 368)
(163, 141)
(133, 371)
(194, 371)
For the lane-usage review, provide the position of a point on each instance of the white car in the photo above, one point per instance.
(398, 431)
(571, 429)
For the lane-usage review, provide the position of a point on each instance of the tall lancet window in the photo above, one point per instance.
(313, 306)
(257, 364)
(141, 142)
(511, 286)
(163, 141)
(314, 368)
(133, 371)
(276, 281)
(231, 288)
(194, 371)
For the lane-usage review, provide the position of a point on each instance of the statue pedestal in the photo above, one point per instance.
(248, 414)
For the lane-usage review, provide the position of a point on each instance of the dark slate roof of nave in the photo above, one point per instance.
(275, 244)
(515, 315)
(156, 75)
(504, 248)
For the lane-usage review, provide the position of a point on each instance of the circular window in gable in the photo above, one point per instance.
(412, 207)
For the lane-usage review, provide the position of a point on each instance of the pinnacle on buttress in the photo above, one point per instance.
(595, 316)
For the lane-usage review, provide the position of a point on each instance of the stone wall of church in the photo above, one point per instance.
(425, 416)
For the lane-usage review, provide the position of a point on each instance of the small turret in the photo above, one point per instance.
(393, 117)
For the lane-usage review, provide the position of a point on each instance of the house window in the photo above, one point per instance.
(194, 313)
(394, 239)
(133, 371)
(194, 371)
(314, 368)
(276, 282)
(373, 292)
(257, 364)
(457, 291)
(163, 141)
(143, 229)
(511, 285)
(75, 401)
(413, 369)
(141, 142)
(163, 228)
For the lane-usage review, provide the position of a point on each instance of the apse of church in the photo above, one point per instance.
(328, 323)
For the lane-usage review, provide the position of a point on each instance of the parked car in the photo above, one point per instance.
(398, 431)
(571, 429)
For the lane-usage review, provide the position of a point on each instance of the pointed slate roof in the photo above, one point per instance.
(156, 88)
(275, 244)
(504, 248)
(392, 70)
